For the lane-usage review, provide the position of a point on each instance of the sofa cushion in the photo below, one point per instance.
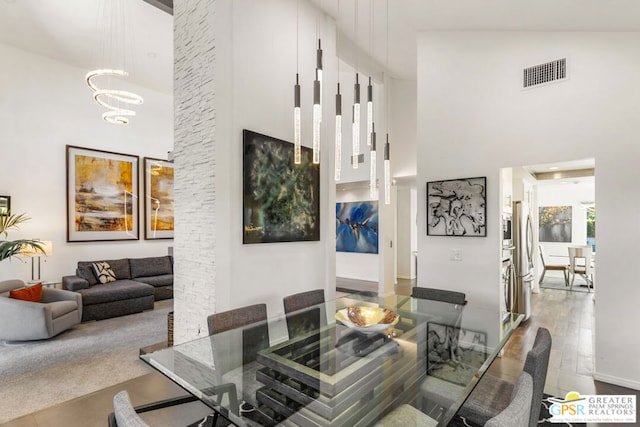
(154, 266)
(115, 291)
(103, 272)
(162, 280)
(31, 293)
(119, 266)
(85, 271)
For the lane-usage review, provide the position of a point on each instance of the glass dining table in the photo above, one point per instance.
(336, 375)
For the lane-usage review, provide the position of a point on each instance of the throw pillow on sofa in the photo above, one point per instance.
(103, 272)
(31, 293)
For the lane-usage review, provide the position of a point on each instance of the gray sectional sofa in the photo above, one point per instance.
(139, 282)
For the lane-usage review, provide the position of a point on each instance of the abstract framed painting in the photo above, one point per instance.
(357, 227)
(281, 200)
(102, 195)
(554, 223)
(457, 207)
(158, 199)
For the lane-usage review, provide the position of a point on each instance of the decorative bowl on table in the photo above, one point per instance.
(367, 319)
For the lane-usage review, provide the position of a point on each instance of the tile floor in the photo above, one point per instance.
(568, 315)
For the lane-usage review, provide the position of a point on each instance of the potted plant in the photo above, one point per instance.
(9, 248)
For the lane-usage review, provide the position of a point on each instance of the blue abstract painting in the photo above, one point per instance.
(357, 227)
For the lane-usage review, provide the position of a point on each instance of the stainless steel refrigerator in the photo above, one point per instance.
(520, 294)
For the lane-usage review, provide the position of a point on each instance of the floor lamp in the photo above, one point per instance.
(47, 250)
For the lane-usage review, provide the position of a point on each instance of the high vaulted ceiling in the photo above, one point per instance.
(67, 30)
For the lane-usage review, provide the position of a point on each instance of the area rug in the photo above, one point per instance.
(87, 358)
(543, 420)
(557, 283)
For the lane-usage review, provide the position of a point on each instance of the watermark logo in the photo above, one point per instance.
(593, 408)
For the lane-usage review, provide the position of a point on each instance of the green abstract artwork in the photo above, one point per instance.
(281, 200)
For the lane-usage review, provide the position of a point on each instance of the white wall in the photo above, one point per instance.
(44, 106)
(475, 119)
(407, 231)
(255, 74)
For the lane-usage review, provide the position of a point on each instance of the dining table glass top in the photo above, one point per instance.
(319, 371)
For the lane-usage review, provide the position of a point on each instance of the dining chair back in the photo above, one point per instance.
(552, 267)
(301, 314)
(255, 338)
(536, 364)
(517, 414)
(302, 300)
(580, 262)
(123, 413)
(444, 295)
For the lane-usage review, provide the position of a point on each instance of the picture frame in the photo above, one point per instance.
(357, 226)
(102, 195)
(5, 205)
(281, 200)
(457, 207)
(158, 198)
(454, 354)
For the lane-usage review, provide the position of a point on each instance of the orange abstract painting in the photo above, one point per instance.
(103, 195)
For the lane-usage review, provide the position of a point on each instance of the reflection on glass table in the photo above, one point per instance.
(337, 375)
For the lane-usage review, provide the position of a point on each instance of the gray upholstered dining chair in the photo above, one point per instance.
(518, 412)
(444, 295)
(490, 397)
(301, 315)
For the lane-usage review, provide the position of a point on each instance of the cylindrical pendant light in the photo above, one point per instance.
(338, 137)
(387, 173)
(319, 70)
(317, 108)
(356, 124)
(297, 141)
(369, 111)
(373, 190)
(296, 123)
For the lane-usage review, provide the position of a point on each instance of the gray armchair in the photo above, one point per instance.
(26, 321)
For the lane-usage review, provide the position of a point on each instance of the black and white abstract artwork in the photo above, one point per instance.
(555, 223)
(457, 207)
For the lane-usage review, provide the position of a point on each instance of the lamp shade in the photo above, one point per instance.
(47, 249)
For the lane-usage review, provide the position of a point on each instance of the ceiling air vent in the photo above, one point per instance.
(545, 73)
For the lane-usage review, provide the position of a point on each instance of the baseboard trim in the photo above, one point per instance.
(622, 382)
(406, 278)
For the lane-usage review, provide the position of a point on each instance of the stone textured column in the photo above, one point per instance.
(195, 167)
